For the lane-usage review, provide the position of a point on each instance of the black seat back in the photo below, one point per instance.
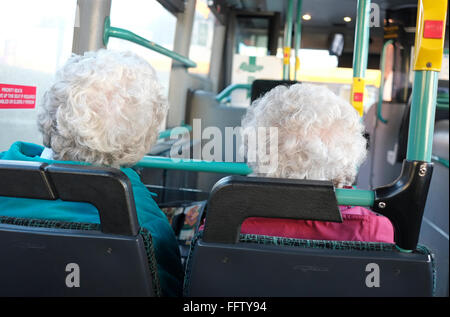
(261, 86)
(223, 262)
(41, 257)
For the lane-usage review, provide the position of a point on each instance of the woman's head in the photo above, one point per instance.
(104, 108)
(320, 135)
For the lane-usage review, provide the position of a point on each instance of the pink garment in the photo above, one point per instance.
(359, 224)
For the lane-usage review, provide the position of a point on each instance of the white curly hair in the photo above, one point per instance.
(320, 135)
(104, 108)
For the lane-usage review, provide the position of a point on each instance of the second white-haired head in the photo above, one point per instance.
(320, 135)
(104, 108)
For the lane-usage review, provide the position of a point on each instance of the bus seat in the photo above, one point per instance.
(55, 258)
(203, 105)
(261, 86)
(223, 262)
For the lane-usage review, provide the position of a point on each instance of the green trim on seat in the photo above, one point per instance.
(187, 271)
(380, 92)
(151, 260)
(54, 224)
(317, 244)
(424, 250)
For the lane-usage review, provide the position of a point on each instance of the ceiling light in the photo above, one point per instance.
(306, 17)
(347, 19)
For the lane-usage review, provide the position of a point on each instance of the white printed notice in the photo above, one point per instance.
(17, 97)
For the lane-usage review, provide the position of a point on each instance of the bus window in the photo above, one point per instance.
(35, 40)
(389, 73)
(252, 36)
(337, 79)
(148, 19)
(202, 38)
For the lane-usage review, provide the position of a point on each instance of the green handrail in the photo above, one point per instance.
(440, 160)
(298, 36)
(228, 90)
(176, 130)
(287, 40)
(380, 94)
(352, 197)
(442, 105)
(423, 108)
(361, 47)
(360, 55)
(110, 31)
(442, 101)
(355, 197)
(194, 165)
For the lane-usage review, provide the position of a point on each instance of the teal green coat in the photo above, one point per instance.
(148, 213)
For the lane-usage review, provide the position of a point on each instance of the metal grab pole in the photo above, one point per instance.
(228, 90)
(287, 40)
(194, 165)
(404, 200)
(360, 54)
(298, 37)
(428, 52)
(354, 197)
(423, 109)
(110, 31)
(89, 25)
(380, 93)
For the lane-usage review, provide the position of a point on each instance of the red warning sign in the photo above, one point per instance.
(358, 96)
(17, 97)
(433, 29)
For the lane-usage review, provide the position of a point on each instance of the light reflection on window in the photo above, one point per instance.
(35, 40)
(312, 58)
(151, 21)
(202, 38)
(252, 36)
(36, 35)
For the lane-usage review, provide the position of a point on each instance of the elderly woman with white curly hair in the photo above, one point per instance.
(320, 137)
(104, 109)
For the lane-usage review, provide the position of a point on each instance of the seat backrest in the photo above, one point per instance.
(41, 257)
(261, 86)
(224, 262)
